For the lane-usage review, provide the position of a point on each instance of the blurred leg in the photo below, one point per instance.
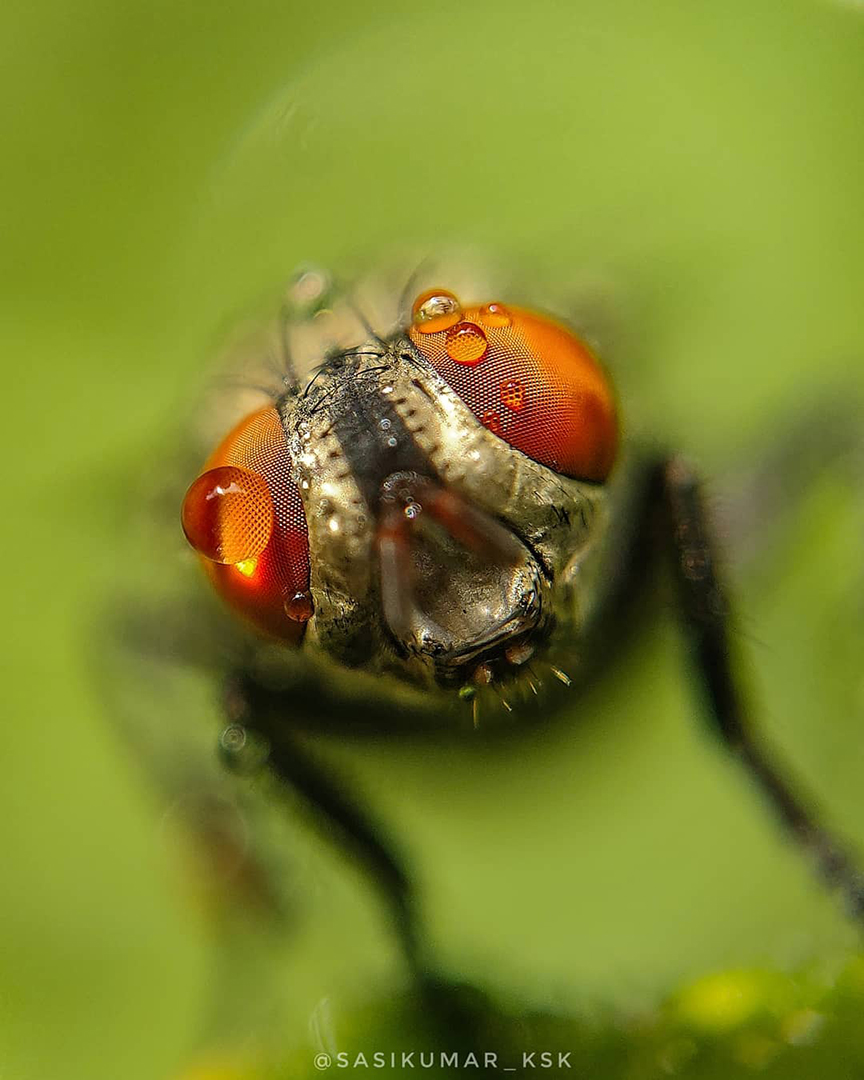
(336, 813)
(707, 623)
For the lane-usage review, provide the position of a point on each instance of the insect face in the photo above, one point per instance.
(421, 507)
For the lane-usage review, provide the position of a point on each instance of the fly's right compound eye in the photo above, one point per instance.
(526, 377)
(245, 518)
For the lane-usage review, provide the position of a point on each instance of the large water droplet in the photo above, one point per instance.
(435, 310)
(228, 514)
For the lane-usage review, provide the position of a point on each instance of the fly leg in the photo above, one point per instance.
(457, 1014)
(707, 623)
(338, 815)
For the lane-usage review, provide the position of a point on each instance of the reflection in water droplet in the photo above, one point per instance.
(466, 343)
(435, 310)
(513, 395)
(412, 511)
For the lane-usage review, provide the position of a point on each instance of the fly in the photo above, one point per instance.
(442, 522)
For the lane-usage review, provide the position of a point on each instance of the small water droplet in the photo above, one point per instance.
(491, 420)
(384, 424)
(309, 287)
(513, 395)
(386, 389)
(300, 607)
(483, 675)
(435, 310)
(495, 314)
(392, 441)
(413, 510)
(519, 653)
(466, 343)
(233, 738)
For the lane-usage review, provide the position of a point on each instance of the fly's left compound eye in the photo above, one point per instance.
(527, 378)
(245, 518)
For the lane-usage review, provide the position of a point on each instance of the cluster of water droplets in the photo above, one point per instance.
(439, 311)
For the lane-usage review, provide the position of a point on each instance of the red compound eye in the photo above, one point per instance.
(527, 378)
(244, 516)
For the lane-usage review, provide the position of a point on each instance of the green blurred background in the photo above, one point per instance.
(700, 166)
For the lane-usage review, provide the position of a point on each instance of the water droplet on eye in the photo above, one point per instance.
(513, 395)
(228, 514)
(491, 420)
(412, 510)
(435, 310)
(466, 343)
(495, 314)
(300, 607)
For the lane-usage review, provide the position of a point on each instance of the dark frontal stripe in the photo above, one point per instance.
(371, 434)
